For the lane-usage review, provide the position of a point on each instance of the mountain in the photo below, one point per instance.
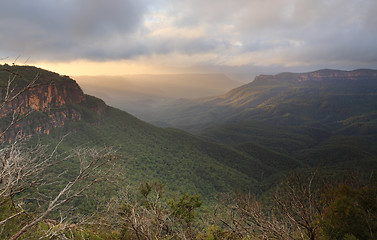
(324, 95)
(326, 117)
(142, 95)
(183, 162)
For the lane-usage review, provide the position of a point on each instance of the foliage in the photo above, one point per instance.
(23, 180)
(182, 162)
(24, 74)
(155, 218)
(183, 209)
(304, 207)
(351, 211)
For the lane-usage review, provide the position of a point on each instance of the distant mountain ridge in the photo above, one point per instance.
(282, 98)
(325, 76)
(320, 75)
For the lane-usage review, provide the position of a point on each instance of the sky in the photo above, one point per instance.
(240, 38)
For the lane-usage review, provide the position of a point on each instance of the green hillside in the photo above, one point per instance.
(181, 161)
(321, 118)
(329, 120)
(25, 74)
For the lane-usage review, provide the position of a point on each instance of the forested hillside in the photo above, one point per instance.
(278, 158)
(321, 118)
(181, 161)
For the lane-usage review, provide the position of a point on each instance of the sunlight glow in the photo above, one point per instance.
(109, 68)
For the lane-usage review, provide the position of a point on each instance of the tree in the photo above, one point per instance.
(351, 211)
(152, 217)
(10, 92)
(23, 171)
(148, 218)
(292, 212)
(184, 210)
(298, 199)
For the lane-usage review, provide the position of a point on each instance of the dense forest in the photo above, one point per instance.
(74, 168)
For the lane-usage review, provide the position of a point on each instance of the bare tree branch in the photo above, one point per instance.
(87, 176)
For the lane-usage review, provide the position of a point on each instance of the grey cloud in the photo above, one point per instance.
(306, 31)
(186, 46)
(68, 29)
(147, 46)
(92, 29)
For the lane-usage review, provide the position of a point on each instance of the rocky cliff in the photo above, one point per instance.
(320, 75)
(48, 103)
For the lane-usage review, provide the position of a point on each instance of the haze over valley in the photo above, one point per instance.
(190, 119)
(142, 95)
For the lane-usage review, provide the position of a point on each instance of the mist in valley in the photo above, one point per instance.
(145, 95)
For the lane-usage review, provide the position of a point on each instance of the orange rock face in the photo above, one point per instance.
(51, 100)
(41, 98)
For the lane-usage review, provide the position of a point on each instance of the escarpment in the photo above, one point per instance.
(48, 103)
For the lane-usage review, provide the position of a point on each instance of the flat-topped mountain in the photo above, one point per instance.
(290, 98)
(320, 75)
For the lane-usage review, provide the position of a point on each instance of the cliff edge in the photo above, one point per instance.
(34, 100)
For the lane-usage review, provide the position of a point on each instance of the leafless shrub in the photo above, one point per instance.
(9, 95)
(291, 212)
(23, 170)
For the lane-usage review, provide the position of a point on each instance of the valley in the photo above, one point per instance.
(146, 94)
(246, 140)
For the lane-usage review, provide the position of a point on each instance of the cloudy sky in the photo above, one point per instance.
(241, 38)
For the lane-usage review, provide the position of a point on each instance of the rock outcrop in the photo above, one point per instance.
(320, 75)
(49, 103)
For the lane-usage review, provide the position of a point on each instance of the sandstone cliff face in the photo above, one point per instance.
(46, 106)
(44, 97)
